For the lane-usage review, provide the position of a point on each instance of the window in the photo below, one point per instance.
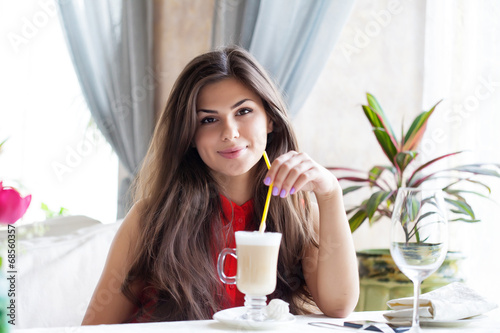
(54, 150)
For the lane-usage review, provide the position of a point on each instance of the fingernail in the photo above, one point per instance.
(292, 191)
(267, 181)
(275, 191)
(283, 193)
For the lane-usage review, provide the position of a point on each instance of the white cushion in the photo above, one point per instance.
(57, 273)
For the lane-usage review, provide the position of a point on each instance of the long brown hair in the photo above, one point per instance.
(180, 224)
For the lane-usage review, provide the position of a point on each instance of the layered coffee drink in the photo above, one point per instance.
(257, 256)
(257, 262)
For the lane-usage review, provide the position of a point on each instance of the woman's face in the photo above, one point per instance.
(232, 128)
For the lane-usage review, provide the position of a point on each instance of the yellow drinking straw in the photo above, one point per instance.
(268, 198)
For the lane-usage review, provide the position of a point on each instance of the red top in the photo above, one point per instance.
(241, 219)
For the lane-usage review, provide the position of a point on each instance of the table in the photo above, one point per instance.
(486, 325)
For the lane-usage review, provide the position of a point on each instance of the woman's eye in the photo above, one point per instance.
(244, 111)
(208, 120)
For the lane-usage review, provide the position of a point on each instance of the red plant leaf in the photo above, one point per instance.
(423, 166)
(417, 129)
(375, 106)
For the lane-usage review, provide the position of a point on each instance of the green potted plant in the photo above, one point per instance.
(380, 278)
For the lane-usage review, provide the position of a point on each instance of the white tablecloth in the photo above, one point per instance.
(486, 325)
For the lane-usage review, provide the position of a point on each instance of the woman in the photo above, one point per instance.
(204, 178)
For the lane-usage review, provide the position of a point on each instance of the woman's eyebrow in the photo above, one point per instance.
(240, 102)
(206, 111)
(232, 107)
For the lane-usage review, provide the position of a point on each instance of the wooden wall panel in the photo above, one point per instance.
(182, 30)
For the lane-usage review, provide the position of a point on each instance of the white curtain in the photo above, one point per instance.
(292, 39)
(110, 42)
(462, 67)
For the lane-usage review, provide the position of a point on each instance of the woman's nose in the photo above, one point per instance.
(230, 131)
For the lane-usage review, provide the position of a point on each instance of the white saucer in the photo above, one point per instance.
(231, 317)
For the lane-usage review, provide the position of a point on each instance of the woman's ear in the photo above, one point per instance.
(269, 126)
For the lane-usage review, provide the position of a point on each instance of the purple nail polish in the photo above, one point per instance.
(292, 191)
(283, 193)
(267, 181)
(275, 191)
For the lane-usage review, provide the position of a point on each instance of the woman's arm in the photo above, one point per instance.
(331, 271)
(108, 304)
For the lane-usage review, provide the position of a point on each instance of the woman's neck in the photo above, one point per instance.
(238, 189)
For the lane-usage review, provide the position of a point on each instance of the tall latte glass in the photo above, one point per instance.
(257, 255)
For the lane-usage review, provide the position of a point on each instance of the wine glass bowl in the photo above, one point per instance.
(419, 237)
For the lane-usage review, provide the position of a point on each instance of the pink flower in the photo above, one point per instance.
(12, 205)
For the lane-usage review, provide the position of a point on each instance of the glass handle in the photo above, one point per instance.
(220, 266)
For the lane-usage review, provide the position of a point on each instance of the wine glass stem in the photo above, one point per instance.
(416, 296)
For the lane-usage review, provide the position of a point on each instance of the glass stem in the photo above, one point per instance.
(255, 307)
(416, 296)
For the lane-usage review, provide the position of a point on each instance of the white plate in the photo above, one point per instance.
(450, 323)
(232, 316)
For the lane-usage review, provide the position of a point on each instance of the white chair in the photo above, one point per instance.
(57, 272)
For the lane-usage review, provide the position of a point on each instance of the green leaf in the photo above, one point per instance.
(374, 201)
(386, 143)
(480, 184)
(48, 212)
(376, 217)
(63, 211)
(423, 216)
(372, 116)
(356, 220)
(412, 207)
(462, 207)
(458, 193)
(375, 173)
(404, 158)
(375, 106)
(378, 119)
(351, 189)
(464, 220)
(417, 129)
(477, 169)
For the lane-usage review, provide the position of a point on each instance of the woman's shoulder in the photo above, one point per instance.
(134, 214)
(130, 226)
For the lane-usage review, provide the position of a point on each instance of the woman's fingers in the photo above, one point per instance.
(292, 172)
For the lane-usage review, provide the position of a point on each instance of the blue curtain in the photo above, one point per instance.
(110, 42)
(292, 39)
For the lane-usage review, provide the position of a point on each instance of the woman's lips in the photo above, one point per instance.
(232, 152)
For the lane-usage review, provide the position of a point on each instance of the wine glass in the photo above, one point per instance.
(419, 237)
